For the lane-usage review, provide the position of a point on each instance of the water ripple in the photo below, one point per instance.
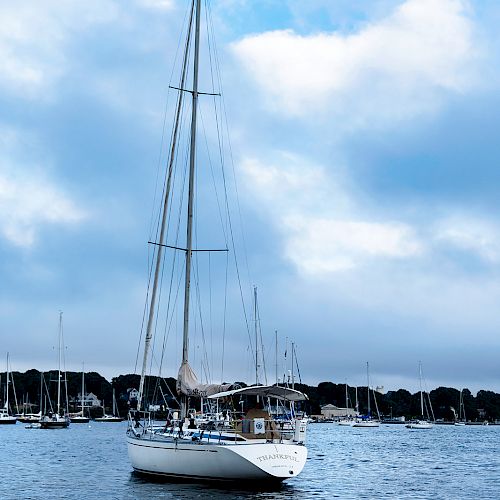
(89, 461)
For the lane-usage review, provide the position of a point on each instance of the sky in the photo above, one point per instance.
(365, 150)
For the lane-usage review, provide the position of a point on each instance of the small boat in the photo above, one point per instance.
(78, 419)
(110, 418)
(57, 419)
(34, 425)
(346, 422)
(422, 423)
(461, 412)
(419, 424)
(368, 420)
(81, 418)
(365, 423)
(54, 421)
(28, 418)
(5, 416)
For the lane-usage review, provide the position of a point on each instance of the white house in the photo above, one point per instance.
(133, 394)
(90, 400)
(332, 411)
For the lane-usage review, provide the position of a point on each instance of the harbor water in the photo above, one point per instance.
(89, 461)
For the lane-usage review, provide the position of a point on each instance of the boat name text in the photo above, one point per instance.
(277, 456)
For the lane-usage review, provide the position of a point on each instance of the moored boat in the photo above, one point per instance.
(57, 419)
(5, 416)
(252, 448)
(423, 422)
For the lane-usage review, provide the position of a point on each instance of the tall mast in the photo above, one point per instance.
(293, 376)
(59, 367)
(276, 345)
(7, 386)
(159, 253)
(192, 161)
(41, 393)
(256, 336)
(421, 393)
(368, 384)
(83, 383)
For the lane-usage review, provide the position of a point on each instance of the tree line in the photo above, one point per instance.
(485, 405)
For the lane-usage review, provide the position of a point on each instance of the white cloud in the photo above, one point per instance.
(28, 199)
(318, 245)
(469, 234)
(393, 69)
(34, 39)
(323, 229)
(27, 204)
(157, 4)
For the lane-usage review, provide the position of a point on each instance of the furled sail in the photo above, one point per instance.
(187, 384)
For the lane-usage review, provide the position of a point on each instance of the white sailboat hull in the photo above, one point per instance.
(245, 462)
(366, 423)
(347, 423)
(419, 425)
(7, 420)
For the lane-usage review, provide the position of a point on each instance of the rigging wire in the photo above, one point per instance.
(216, 65)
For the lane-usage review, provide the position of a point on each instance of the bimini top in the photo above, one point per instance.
(271, 391)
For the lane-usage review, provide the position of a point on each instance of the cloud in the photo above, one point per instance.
(157, 4)
(323, 228)
(34, 41)
(318, 245)
(390, 70)
(327, 226)
(469, 234)
(28, 199)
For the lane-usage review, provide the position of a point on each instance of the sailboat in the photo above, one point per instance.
(81, 419)
(5, 416)
(423, 422)
(59, 418)
(114, 417)
(34, 418)
(347, 421)
(248, 449)
(461, 411)
(368, 420)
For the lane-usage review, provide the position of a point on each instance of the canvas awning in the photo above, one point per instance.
(271, 391)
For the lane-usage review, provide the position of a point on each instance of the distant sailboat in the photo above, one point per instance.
(346, 421)
(5, 416)
(368, 420)
(81, 419)
(59, 419)
(114, 417)
(423, 422)
(461, 411)
(34, 418)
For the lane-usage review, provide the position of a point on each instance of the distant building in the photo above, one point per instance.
(133, 394)
(332, 411)
(380, 389)
(90, 400)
